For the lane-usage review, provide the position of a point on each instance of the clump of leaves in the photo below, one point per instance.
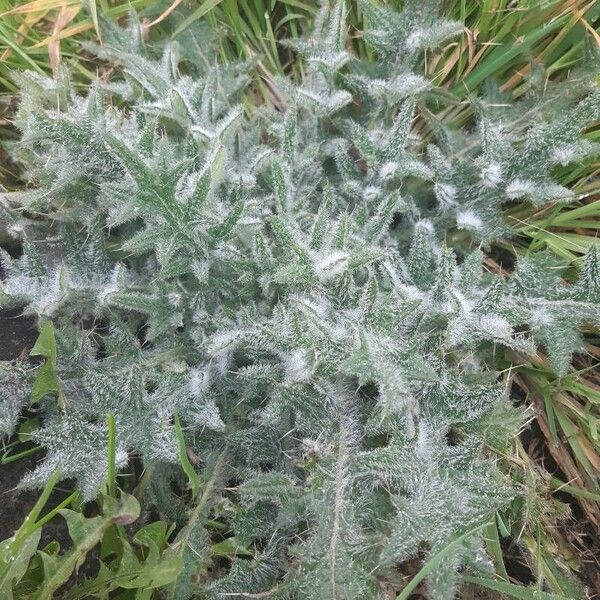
(303, 291)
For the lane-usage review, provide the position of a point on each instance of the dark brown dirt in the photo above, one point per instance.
(17, 504)
(17, 334)
(14, 506)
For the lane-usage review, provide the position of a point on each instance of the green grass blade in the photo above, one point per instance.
(203, 9)
(492, 540)
(187, 467)
(50, 515)
(502, 55)
(93, 10)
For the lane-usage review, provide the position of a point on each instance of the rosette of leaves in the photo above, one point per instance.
(303, 289)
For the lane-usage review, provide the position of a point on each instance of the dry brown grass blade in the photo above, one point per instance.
(449, 62)
(578, 16)
(517, 78)
(146, 25)
(591, 30)
(561, 455)
(40, 6)
(65, 16)
(30, 21)
(275, 96)
(67, 32)
(474, 59)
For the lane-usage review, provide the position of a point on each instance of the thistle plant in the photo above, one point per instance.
(304, 291)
